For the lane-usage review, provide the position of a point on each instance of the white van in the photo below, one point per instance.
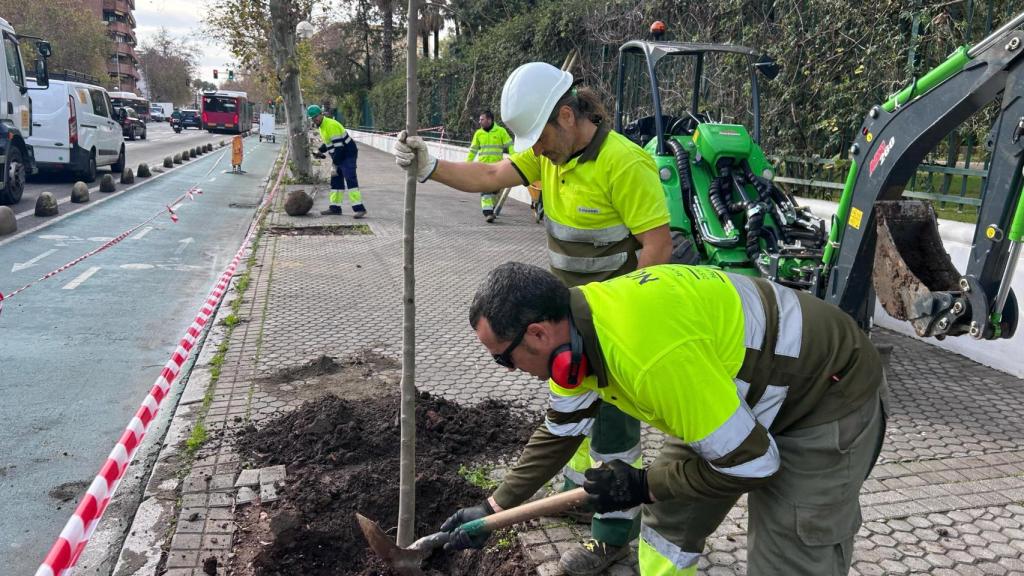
(73, 129)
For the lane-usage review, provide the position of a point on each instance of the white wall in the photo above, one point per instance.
(957, 238)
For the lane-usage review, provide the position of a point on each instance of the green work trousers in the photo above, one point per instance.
(800, 524)
(614, 436)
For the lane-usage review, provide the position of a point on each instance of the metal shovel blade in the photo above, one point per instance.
(910, 261)
(404, 561)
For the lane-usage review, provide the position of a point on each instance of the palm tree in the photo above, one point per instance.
(387, 10)
(432, 22)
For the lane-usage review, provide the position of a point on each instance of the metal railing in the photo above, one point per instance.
(956, 191)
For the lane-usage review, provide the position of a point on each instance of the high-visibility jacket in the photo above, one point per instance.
(595, 204)
(334, 135)
(488, 146)
(717, 360)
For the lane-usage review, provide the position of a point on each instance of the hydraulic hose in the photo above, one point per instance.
(755, 229)
(685, 181)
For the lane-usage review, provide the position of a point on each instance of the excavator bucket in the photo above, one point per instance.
(910, 261)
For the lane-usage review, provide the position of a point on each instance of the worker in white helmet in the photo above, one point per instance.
(606, 216)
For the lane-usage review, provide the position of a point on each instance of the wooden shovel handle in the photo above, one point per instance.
(543, 507)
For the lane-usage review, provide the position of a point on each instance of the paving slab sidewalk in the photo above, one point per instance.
(945, 498)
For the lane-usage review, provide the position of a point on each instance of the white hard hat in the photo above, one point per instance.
(529, 96)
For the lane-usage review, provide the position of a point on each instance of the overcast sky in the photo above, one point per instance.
(183, 19)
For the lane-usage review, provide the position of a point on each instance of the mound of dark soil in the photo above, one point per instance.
(342, 458)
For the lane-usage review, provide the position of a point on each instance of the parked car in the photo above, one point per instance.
(74, 129)
(132, 126)
(191, 119)
(156, 114)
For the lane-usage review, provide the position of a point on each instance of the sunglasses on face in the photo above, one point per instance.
(504, 359)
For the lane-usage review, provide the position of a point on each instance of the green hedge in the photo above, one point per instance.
(838, 57)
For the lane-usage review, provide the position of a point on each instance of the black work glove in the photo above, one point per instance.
(323, 148)
(460, 540)
(319, 155)
(616, 486)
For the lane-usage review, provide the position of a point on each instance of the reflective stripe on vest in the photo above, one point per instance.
(761, 467)
(767, 408)
(753, 311)
(569, 404)
(585, 265)
(679, 558)
(631, 456)
(575, 477)
(619, 514)
(595, 236)
(791, 322)
(790, 317)
(728, 436)
(581, 428)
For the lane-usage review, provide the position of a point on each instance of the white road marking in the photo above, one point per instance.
(101, 238)
(212, 179)
(136, 266)
(182, 245)
(22, 265)
(56, 237)
(142, 233)
(81, 278)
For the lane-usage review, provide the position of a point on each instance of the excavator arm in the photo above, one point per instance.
(879, 242)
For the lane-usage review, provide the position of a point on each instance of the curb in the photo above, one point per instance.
(143, 547)
(134, 543)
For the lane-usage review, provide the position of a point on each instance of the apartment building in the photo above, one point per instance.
(123, 65)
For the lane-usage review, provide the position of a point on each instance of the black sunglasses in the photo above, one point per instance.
(505, 358)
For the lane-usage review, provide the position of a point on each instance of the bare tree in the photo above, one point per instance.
(168, 63)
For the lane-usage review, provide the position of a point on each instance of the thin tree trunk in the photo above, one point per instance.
(407, 473)
(437, 44)
(282, 40)
(426, 43)
(387, 54)
(369, 73)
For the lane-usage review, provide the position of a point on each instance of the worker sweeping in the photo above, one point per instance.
(489, 145)
(760, 389)
(605, 216)
(344, 153)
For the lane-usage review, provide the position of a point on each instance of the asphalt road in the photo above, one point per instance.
(80, 350)
(160, 142)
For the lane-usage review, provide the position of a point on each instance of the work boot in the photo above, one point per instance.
(331, 211)
(359, 214)
(591, 558)
(489, 217)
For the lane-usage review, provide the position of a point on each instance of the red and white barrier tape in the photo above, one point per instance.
(65, 551)
(432, 128)
(190, 194)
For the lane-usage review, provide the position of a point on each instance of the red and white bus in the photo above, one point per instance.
(226, 111)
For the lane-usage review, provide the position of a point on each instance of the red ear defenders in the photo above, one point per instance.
(568, 363)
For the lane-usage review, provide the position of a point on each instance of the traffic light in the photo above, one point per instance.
(231, 75)
(214, 73)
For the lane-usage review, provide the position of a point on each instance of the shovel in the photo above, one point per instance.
(406, 561)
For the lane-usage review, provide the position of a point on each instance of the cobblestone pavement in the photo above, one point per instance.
(944, 498)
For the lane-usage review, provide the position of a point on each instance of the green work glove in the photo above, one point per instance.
(460, 540)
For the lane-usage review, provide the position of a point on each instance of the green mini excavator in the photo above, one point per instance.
(727, 211)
